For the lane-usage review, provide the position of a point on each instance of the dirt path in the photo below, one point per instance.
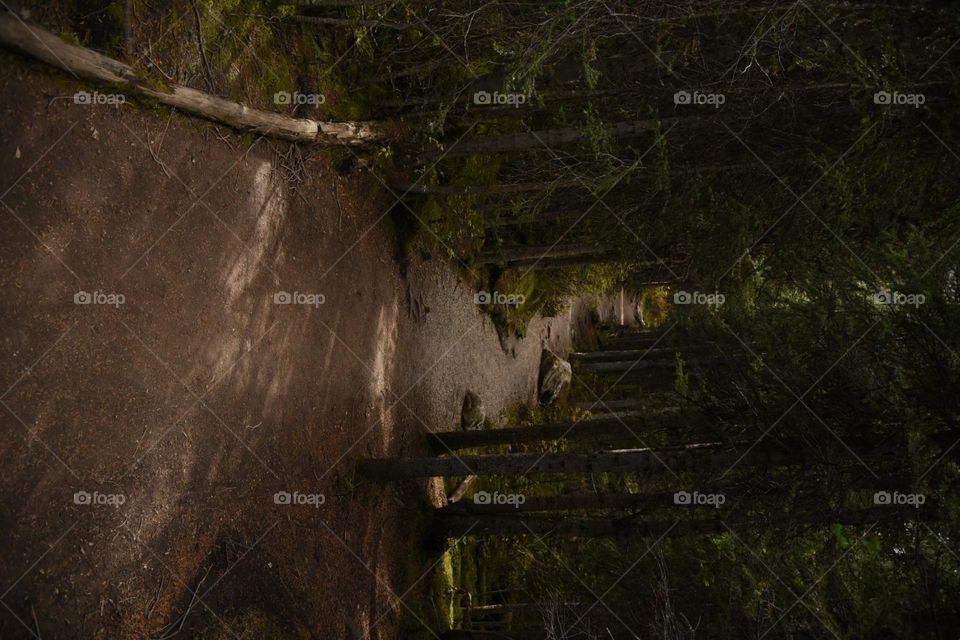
(198, 398)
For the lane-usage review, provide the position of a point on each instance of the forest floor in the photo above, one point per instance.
(198, 398)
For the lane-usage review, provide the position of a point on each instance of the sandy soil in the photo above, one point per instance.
(198, 398)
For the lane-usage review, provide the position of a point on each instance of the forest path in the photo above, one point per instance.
(195, 396)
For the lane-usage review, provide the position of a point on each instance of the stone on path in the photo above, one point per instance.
(555, 376)
(472, 414)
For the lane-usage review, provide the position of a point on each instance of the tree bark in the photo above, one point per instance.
(506, 634)
(614, 355)
(332, 3)
(548, 138)
(612, 406)
(635, 342)
(483, 189)
(501, 608)
(38, 43)
(537, 253)
(546, 216)
(572, 183)
(629, 366)
(459, 525)
(588, 501)
(356, 22)
(624, 426)
(704, 457)
(548, 264)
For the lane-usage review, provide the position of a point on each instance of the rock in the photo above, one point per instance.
(472, 414)
(555, 376)
(638, 313)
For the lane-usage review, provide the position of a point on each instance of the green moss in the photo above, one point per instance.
(118, 11)
(681, 382)
(149, 79)
(656, 305)
(444, 581)
(511, 319)
(70, 38)
(454, 225)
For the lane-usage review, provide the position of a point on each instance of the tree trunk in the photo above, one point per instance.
(615, 355)
(351, 3)
(332, 3)
(459, 525)
(545, 216)
(548, 138)
(705, 457)
(629, 366)
(352, 23)
(613, 406)
(506, 634)
(573, 183)
(623, 426)
(547, 264)
(38, 43)
(621, 331)
(590, 501)
(403, 72)
(483, 189)
(536, 253)
(503, 608)
(651, 405)
(635, 342)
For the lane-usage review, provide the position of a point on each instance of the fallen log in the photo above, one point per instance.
(36, 42)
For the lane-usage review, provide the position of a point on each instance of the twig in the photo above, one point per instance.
(222, 137)
(336, 193)
(183, 618)
(33, 614)
(163, 134)
(156, 599)
(157, 159)
(157, 67)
